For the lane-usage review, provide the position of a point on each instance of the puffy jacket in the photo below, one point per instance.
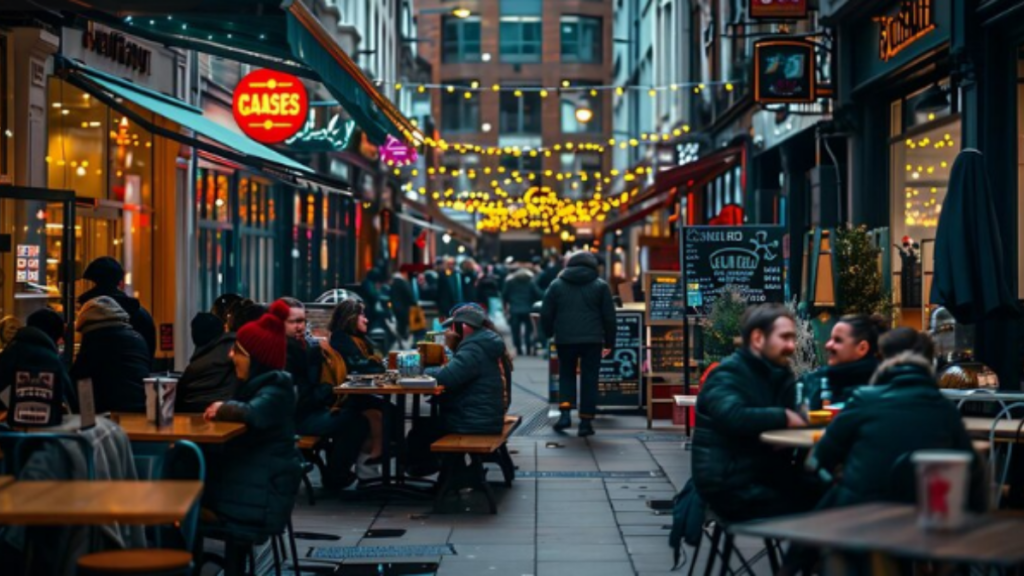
(253, 487)
(209, 377)
(473, 401)
(521, 292)
(32, 351)
(843, 380)
(139, 318)
(872, 438)
(578, 306)
(356, 351)
(743, 397)
(113, 355)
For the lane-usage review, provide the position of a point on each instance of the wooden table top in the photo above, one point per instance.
(386, 390)
(85, 502)
(5, 480)
(808, 437)
(185, 427)
(892, 529)
(980, 426)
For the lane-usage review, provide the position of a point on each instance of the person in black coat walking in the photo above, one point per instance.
(113, 355)
(579, 312)
(520, 294)
(252, 489)
(750, 392)
(402, 301)
(107, 275)
(210, 375)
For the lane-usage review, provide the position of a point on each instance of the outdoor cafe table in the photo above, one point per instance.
(393, 481)
(806, 438)
(96, 502)
(192, 427)
(891, 529)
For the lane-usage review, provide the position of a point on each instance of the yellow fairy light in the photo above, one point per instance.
(652, 92)
(518, 93)
(728, 87)
(474, 84)
(496, 87)
(468, 95)
(398, 86)
(451, 89)
(619, 90)
(696, 89)
(675, 87)
(543, 93)
(593, 92)
(565, 83)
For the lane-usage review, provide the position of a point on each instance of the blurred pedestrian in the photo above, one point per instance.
(107, 276)
(402, 301)
(520, 294)
(449, 286)
(550, 271)
(470, 275)
(579, 313)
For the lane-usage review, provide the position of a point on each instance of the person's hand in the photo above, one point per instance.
(794, 420)
(211, 411)
(605, 352)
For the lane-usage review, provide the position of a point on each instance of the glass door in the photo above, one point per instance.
(37, 243)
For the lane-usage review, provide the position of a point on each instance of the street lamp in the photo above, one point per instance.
(583, 113)
(461, 12)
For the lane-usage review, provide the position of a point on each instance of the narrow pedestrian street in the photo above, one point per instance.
(577, 507)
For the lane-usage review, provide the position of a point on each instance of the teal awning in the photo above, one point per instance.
(286, 37)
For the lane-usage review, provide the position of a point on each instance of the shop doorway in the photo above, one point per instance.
(37, 250)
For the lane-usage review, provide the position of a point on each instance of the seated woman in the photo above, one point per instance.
(868, 446)
(210, 374)
(253, 487)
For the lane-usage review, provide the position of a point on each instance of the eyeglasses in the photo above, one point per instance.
(239, 350)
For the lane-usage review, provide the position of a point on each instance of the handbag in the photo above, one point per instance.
(417, 319)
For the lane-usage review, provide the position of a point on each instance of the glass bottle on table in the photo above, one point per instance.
(802, 407)
(826, 394)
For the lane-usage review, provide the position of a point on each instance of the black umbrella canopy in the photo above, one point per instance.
(970, 279)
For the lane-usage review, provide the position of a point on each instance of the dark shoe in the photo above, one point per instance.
(586, 428)
(564, 421)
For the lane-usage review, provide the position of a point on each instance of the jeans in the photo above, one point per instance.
(348, 430)
(588, 358)
(521, 323)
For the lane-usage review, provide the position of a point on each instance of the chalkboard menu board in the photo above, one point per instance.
(749, 258)
(664, 298)
(619, 380)
(666, 348)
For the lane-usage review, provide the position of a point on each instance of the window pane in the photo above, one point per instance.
(581, 39)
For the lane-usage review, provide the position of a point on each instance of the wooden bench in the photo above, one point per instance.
(481, 448)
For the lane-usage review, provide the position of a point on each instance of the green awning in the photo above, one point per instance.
(210, 136)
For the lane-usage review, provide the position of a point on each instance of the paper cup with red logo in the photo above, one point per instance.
(942, 479)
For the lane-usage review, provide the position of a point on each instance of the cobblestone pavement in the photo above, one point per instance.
(577, 507)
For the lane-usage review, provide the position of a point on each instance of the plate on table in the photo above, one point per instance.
(418, 382)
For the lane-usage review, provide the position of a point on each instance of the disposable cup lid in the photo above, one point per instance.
(945, 456)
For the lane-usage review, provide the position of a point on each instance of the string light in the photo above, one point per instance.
(566, 87)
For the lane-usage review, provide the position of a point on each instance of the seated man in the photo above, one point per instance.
(474, 391)
(902, 411)
(750, 392)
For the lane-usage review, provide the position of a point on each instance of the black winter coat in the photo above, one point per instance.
(140, 319)
(209, 377)
(578, 306)
(843, 380)
(402, 299)
(305, 364)
(32, 351)
(903, 411)
(473, 401)
(547, 276)
(447, 292)
(252, 489)
(743, 397)
(117, 359)
(521, 292)
(356, 355)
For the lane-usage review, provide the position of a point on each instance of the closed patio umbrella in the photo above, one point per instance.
(970, 279)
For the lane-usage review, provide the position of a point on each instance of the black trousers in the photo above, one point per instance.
(588, 358)
(521, 324)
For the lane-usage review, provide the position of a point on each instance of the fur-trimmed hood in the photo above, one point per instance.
(888, 369)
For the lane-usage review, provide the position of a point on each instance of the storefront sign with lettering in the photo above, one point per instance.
(778, 8)
(749, 258)
(784, 71)
(119, 48)
(907, 25)
(270, 106)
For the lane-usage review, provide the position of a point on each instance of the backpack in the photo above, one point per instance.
(687, 522)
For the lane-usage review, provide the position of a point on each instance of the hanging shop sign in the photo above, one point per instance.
(749, 258)
(911, 21)
(778, 9)
(270, 106)
(784, 72)
(332, 136)
(396, 153)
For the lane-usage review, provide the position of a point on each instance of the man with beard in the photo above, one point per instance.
(751, 392)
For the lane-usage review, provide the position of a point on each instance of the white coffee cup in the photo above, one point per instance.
(942, 481)
(160, 396)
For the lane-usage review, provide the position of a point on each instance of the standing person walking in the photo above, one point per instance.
(578, 311)
(520, 293)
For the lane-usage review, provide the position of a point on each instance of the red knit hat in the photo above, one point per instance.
(264, 339)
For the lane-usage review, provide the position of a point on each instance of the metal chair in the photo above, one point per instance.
(18, 444)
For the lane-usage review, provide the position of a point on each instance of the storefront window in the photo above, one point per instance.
(101, 154)
(1020, 171)
(256, 234)
(216, 234)
(925, 142)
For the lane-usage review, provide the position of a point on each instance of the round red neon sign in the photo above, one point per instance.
(270, 106)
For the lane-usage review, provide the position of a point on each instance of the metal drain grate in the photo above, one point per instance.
(371, 552)
(661, 437)
(590, 474)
